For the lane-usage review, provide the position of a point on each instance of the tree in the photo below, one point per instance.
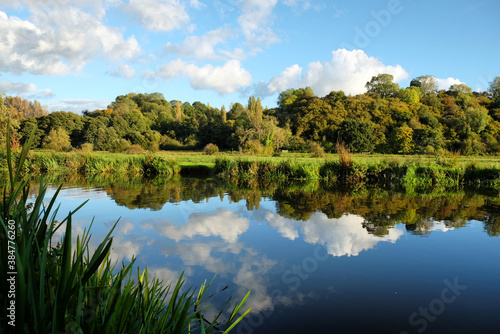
(382, 84)
(427, 84)
(223, 114)
(404, 140)
(456, 89)
(57, 139)
(357, 135)
(494, 89)
(477, 118)
(410, 95)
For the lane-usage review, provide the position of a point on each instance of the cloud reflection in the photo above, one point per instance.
(222, 223)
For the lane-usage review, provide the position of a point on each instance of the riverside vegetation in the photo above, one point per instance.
(67, 287)
(344, 169)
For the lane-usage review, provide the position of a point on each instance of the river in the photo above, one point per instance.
(317, 260)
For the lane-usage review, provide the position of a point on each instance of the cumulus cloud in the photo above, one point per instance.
(446, 83)
(224, 79)
(346, 70)
(159, 15)
(290, 77)
(123, 71)
(28, 91)
(200, 47)
(255, 21)
(59, 41)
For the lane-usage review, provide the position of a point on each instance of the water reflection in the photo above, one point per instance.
(303, 247)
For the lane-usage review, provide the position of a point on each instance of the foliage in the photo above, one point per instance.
(316, 150)
(135, 149)
(456, 119)
(57, 139)
(211, 149)
(382, 84)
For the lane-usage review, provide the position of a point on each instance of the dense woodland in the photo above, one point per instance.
(386, 119)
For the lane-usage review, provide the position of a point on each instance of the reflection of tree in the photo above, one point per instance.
(380, 209)
(492, 221)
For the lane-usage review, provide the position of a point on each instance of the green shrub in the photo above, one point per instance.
(87, 147)
(135, 149)
(316, 150)
(211, 149)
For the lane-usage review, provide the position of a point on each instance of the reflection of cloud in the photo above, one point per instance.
(247, 267)
(221, 223)
(342, 236)
(284, 226)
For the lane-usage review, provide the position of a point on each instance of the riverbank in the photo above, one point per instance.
(415, 173)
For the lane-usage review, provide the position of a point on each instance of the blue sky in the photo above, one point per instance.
(76, 55)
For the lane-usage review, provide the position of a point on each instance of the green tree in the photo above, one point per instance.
(357, 135)
(382, 84)
(25, 130)
(409, 95)
(456, 89)
(477, 118)
(427, 84)
(494, 89)
(57, 139)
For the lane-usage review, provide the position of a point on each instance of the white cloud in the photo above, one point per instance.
(224, 79)
(255, 21)
(159, 15)
(346, 70)
(59, 41)
(446, 83)
(123, 71)
(77, 105)
(197, 4)
(200, 47)
(28, 91)
(288, 78)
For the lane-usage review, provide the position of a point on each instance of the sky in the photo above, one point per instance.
(82, 54)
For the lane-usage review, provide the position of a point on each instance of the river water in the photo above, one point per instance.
(317, 260)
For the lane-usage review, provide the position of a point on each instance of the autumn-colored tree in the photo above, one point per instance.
(404, 140)
(57, 139)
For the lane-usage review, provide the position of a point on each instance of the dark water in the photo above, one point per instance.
(316, 260)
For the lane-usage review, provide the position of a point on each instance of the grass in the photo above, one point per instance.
(68, 288)
(342, 168)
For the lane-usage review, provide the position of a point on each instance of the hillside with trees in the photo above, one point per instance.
(386, 119)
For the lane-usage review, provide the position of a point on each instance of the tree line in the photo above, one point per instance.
(385, 119)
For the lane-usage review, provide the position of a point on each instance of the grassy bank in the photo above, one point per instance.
(68, 288)
(412, 172)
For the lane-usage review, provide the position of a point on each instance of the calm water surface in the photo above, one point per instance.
(316, 260)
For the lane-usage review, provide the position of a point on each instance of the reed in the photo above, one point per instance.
(68, 288)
